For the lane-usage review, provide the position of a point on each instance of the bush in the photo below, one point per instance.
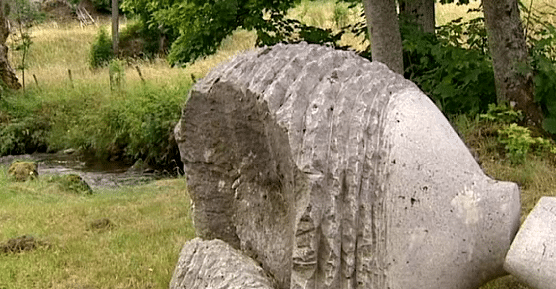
(116, 70)
(24, 124)
(133, 123)
(457, 75)
(543, 64)
(516, 140)
(102, 5)
(138, 40)
(101, 50)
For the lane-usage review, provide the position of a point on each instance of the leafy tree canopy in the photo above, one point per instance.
(202, 25)
(196, 27)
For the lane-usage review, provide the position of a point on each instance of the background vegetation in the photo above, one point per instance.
(72, 104)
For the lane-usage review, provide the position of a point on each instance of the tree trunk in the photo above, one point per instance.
(421, 12)
(509, 52)
(115, 27)
(384, 31)
(7, 73)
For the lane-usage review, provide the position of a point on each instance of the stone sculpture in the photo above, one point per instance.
(215, 264)
(334, 172)
(532, 255)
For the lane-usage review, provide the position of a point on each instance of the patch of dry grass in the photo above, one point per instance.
(448, 12)
(59, 48)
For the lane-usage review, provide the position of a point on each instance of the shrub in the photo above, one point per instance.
(24, 124)
(138, 40)
(501, 114)
(340, 14)
(544, 69)
(116, 70)
(134, 123)
(102, 5)
(456, 75)
(101, 50)
(517, 141)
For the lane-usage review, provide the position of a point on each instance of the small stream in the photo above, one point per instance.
(95, 172)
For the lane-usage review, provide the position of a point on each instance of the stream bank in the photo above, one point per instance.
(97, 173)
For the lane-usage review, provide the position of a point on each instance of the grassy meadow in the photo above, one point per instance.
(150, 222)
(149, 225)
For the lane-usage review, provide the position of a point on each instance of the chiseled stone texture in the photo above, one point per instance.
(532, 255)
(215, 264)
(334, 172)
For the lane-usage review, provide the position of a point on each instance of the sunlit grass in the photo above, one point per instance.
(448, 12)
(58, 50)
(151, 223)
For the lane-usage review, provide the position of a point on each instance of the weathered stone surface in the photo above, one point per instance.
(532, 255)
(334, 172)
(22, 171)
(215, 264)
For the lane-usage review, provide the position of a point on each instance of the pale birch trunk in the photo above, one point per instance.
(384, 31)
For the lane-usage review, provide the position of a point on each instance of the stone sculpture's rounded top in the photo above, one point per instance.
(335, 172)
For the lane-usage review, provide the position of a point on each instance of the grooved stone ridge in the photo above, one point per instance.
(334, 172)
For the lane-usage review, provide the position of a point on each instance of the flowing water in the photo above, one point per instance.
(95, 172)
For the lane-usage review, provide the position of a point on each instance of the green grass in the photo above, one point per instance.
(152, 222)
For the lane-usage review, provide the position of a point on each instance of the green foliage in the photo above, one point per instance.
(101, 50)
(71, 183)
(135, 123)
(201, 26)
(469, 34)
(116, 70)
(24, 14)
(517, 141)
(501, 114)
(455, 73)
(543, 65)
(24, 125)
(137, 40)
(102, 5)
(22, 43)
(341, 12)
(142, 124)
